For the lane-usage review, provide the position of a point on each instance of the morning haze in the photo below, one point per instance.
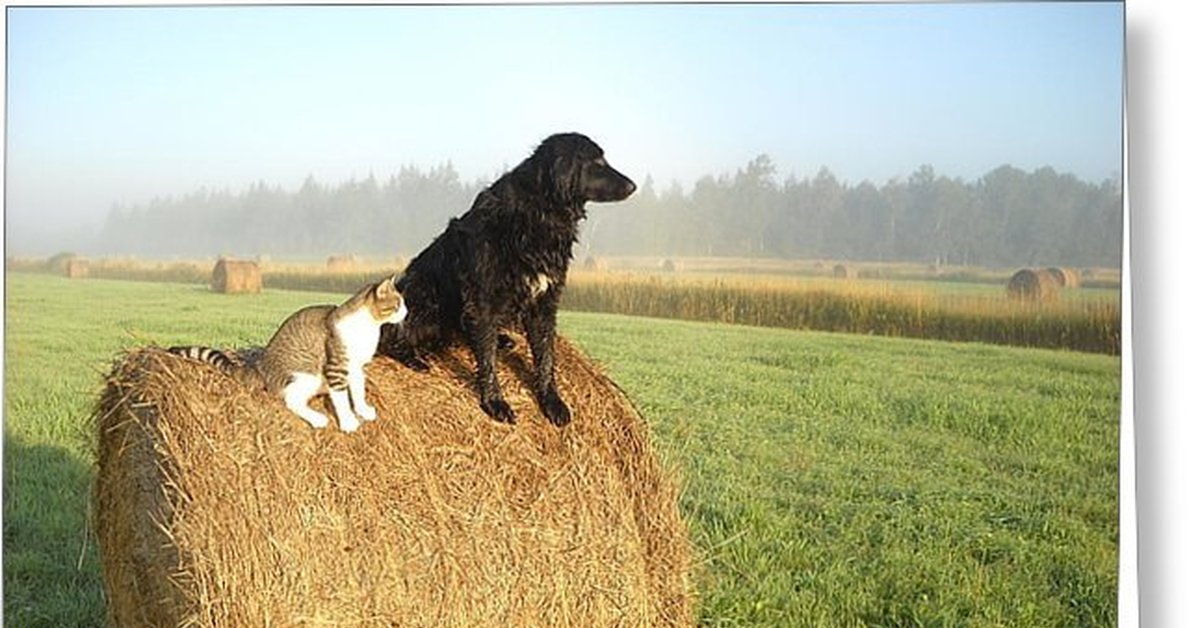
(962, 133)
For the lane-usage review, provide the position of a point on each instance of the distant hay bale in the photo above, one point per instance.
(595, 264)
(1064, 277)
(669, 265)
(214, 506)
(841, 271)
(342, 263)
(77, 268)
(57, 263)
(1033, 285)
(236, 276)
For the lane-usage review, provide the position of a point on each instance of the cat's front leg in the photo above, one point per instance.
(357, 379)
(341, 406)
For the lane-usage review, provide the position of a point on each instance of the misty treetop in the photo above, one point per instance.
(1008, 217)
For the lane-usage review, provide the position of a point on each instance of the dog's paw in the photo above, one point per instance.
(555, 408)
(499, 410)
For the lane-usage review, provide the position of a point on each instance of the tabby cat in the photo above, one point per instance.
(321, 349)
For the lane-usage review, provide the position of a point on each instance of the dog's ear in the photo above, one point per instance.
(566, 179)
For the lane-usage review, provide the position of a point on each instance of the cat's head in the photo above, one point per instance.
(387, 304)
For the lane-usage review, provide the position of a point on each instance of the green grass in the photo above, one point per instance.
(829, 479)
(836, 480)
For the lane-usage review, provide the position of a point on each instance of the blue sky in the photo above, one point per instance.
(112, 105)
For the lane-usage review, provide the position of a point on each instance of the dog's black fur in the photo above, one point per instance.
(504, 263)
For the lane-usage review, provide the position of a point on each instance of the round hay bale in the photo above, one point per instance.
(1033, 285)
(1064, 277)
(841, 271)
(236, 276)
(77, 268)
(215, 506)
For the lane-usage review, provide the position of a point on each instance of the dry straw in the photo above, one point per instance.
(1033, 285)
(214, 506)
(236, 276)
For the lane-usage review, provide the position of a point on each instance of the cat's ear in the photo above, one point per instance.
(386, 287)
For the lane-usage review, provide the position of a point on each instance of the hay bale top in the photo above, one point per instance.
(1035, 286)
(216, 506)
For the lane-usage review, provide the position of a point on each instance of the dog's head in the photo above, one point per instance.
(574, 168)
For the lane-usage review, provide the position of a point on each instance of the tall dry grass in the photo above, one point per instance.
(896, 301)
(865, 307)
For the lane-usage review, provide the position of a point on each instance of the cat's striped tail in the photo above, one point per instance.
(239, 366)
(215, 357)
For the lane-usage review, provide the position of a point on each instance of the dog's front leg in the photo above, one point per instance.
(540, 328)
(482, 337)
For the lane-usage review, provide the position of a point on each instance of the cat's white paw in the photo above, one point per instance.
(349, 425)
(367, 412)
(317, 420)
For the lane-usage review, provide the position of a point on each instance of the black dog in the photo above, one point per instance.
(504, 263)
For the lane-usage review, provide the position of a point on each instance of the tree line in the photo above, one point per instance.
(1008, 217)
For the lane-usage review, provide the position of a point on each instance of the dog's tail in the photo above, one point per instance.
(228, 363)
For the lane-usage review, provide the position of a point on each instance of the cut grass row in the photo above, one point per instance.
(829, 479)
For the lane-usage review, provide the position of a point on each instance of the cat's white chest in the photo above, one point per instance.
(360, 335)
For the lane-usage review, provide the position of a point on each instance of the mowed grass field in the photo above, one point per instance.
(829, 479)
